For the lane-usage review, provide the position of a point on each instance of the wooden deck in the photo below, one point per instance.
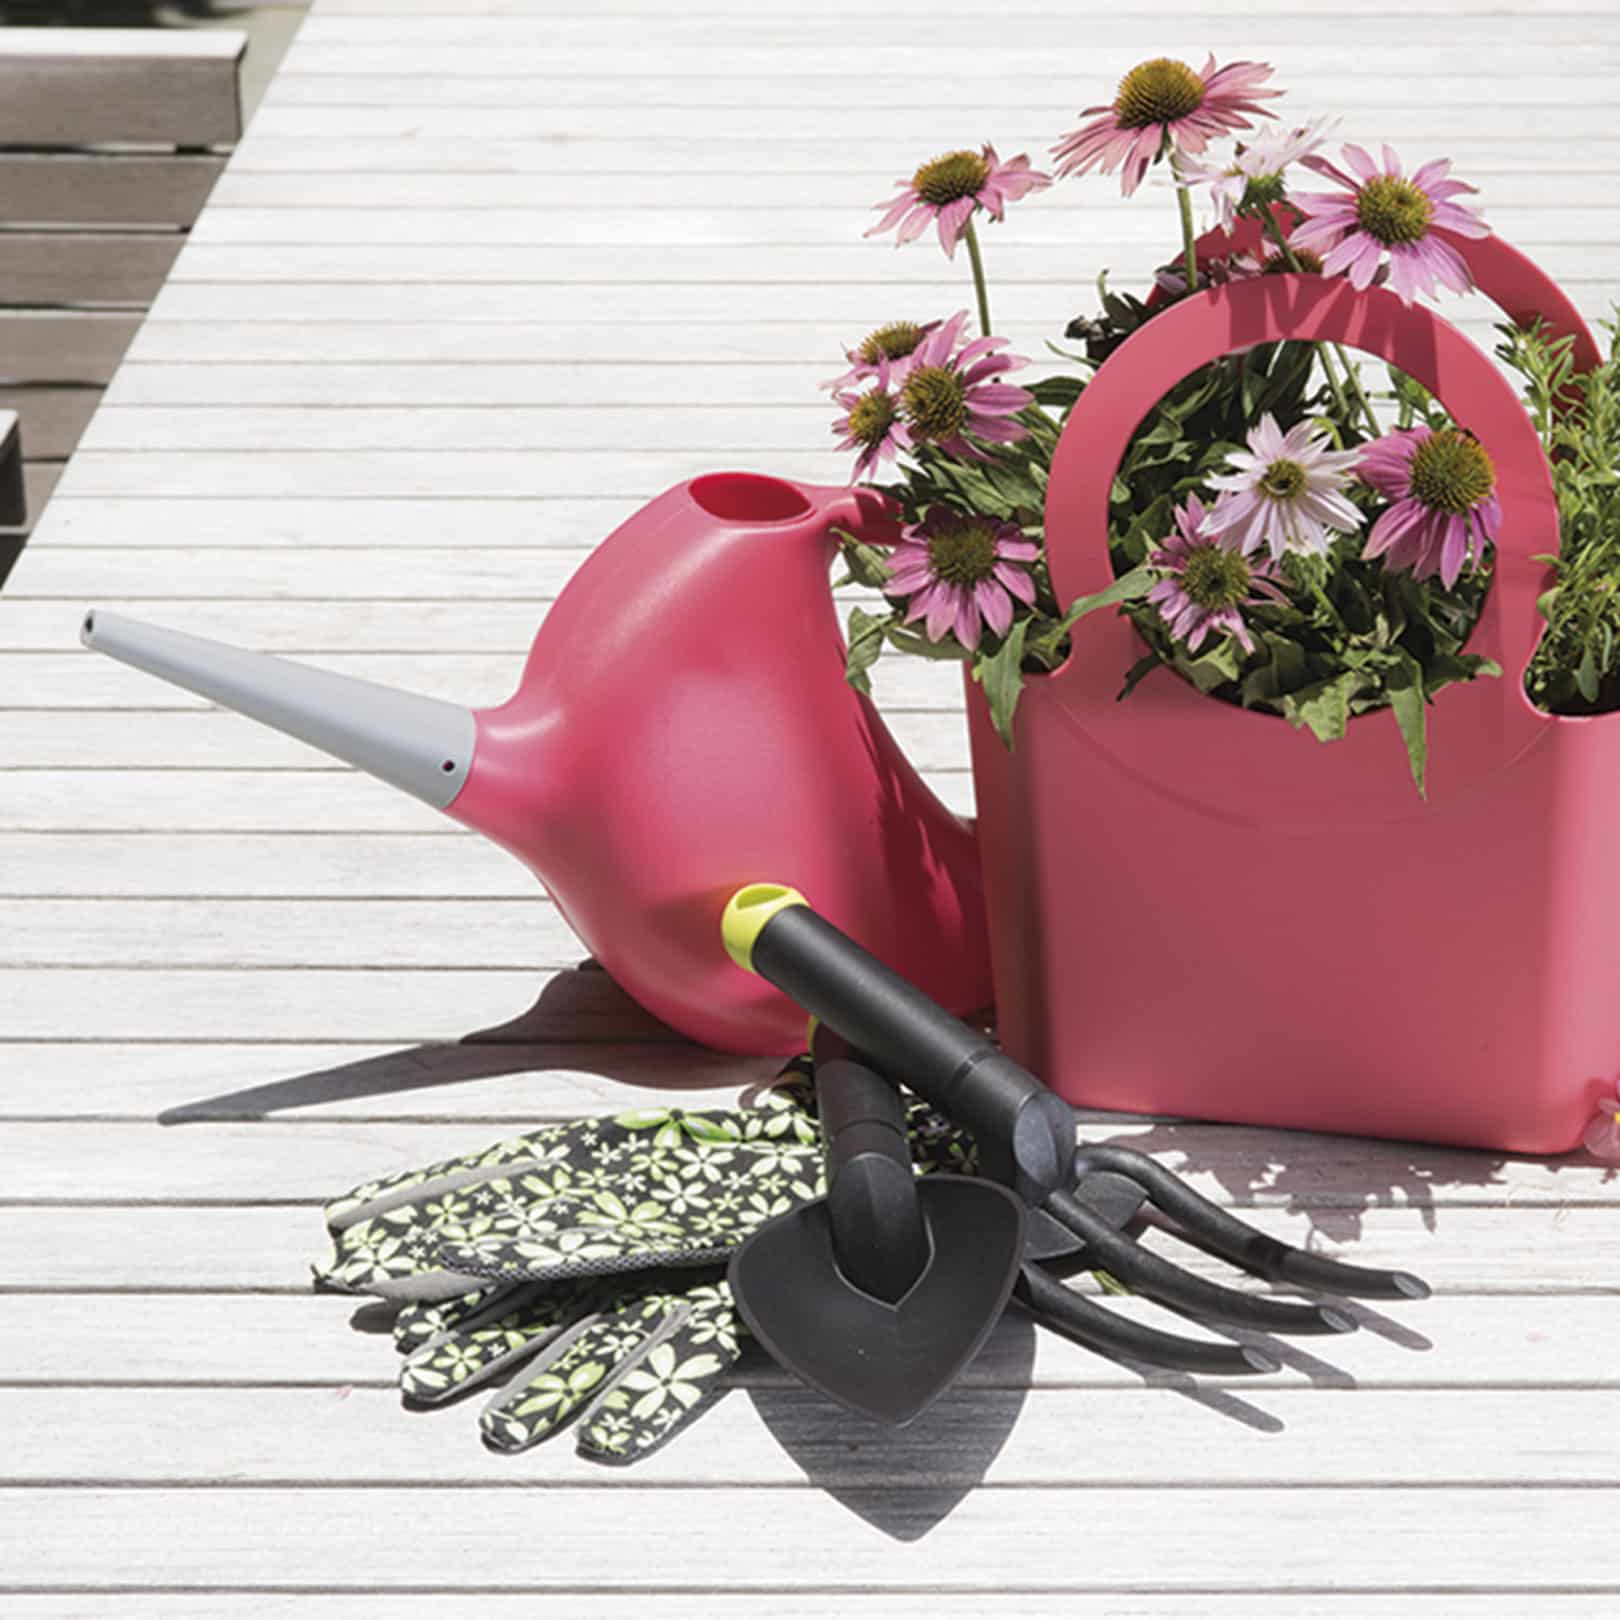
(484, 275)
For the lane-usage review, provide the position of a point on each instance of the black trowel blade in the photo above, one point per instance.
(884, 1361)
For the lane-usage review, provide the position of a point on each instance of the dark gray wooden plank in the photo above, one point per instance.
(52, 419)
(85, 267)
(101, 188)
(67, 87)
(39, 345)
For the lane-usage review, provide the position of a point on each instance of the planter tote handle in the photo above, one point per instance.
(1249, 766)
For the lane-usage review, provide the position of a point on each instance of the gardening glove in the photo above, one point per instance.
(611, 1236)
(632, 1358)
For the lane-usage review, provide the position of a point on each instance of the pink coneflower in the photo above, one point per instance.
(949, 188)
(1286, 492)
(948, 393)
(1383, 211)
(961, 573)
(1443, 489)
(1602, 1137)
(896, 342)
(871, 423)
(1209, 581)
(1255, 177)
(1159, 103)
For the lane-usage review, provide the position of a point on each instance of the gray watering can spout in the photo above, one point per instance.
(419, 744)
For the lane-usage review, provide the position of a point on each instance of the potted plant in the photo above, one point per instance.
(1178, 572)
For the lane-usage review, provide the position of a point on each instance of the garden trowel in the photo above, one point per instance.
(878, 1294)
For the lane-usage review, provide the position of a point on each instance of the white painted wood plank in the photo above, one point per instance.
(785, 1437)
(864, 137)
(506, 1086)
(1528, 151)
(856, 1606)
(1065, 222)
(55, 740)
(309, 1158)
(502, 49)
(318, 802)
(84, 680)
(449, 474)
(1305, 34)
(393, 1007)
(311, 80)
(757, 11)
(1058, 1540)
(815, 347)
(715, 430)
(745, 190)
(572, 385)
(850, 308)
(1455, 1341)
(290, 523)
(358, 933)
(1539, 1252)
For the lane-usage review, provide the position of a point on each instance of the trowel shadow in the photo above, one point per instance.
(579, 1012)
(904, 1481)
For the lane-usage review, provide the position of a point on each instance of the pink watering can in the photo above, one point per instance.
(682, 723)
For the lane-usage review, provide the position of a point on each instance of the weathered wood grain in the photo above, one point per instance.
(85, 267)
(775, 1438)
(46, 346)
(1452, 1341)
(305, 1158)
(1505, 1538)
(98, 188)
(1542, 1251)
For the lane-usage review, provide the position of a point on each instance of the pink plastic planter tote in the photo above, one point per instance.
(682, 724)
(1195, 909)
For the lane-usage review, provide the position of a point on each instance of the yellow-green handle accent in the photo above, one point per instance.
(747, 912)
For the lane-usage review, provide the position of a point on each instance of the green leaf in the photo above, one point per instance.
(1323, 707)
(1213, 668)
(1131, 587)
(1144, 666)
(866, 635)
(1404, 683)
(1586, 674)
(919, 646)
(1001, 674)
(868, 565)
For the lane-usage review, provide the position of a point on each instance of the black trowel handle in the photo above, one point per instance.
(1025, 1132)
(879, 1236)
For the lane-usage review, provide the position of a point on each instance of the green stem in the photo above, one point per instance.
(971, 237)
(1188, 244)
(1350, 378)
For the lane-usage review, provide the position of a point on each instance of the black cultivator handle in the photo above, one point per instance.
(1025, 1132)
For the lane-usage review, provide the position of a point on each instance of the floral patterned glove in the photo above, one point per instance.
(632, 1359)
(608, 1239)
(594, 1197)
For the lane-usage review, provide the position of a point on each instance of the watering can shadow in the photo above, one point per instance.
(682, 722)
(580, 1022)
